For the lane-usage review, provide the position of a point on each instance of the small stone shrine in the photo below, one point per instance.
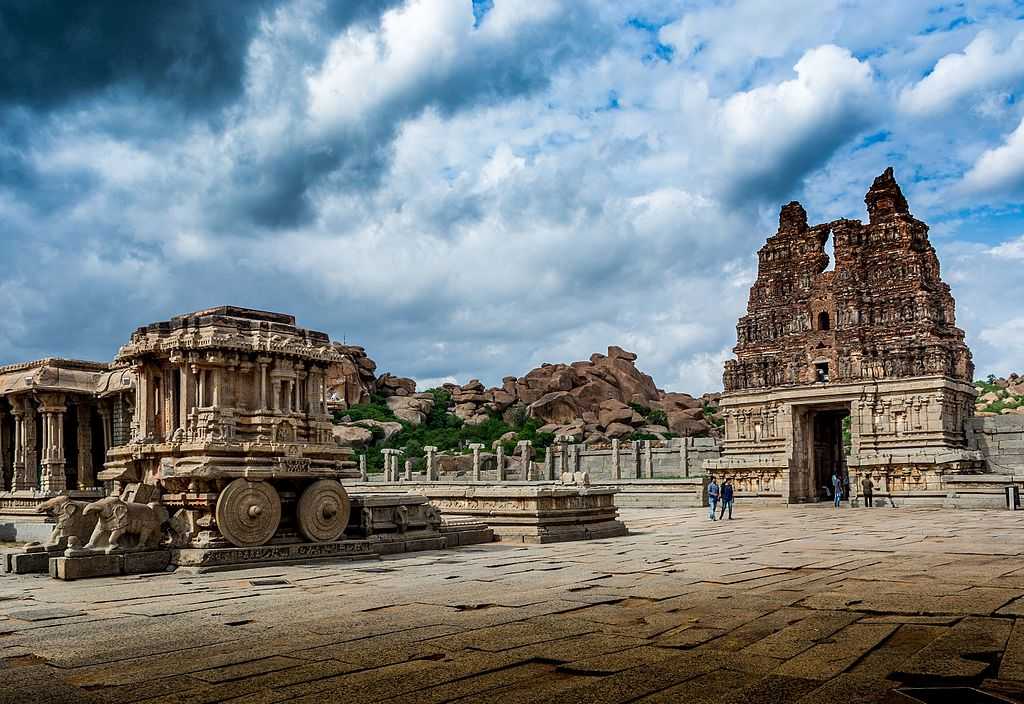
(860, 368)
(58, 418)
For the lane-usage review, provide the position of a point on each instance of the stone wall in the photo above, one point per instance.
(1001, 440)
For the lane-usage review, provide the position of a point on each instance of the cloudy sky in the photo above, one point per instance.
(469, 189)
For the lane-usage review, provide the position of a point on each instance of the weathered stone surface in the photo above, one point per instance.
(350, 435)
(874, 339)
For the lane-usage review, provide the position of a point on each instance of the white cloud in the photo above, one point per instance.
(999, 170)
(1011, 249)
(987, 62)
(780, 131)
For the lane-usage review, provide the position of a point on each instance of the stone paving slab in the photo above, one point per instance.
(779, 605)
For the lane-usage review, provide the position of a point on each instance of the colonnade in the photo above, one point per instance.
(34, 445)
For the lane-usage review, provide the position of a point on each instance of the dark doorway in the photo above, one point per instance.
(823, 321)
(828, 449)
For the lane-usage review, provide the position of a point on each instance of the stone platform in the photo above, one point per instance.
(523, 512)
(802, 604)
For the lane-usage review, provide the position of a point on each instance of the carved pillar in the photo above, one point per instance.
(86, 472)
(549, 463)
(526, 448)
(648, 459)
(636, 461)
(408, 470)
(684, 458)
(275, 395)
(431, 463)
(20, 477)
(616, 460)
(563, 456)
(312, 384)
(142, 403)
(5, 467)
(323, 392)
(363, 475)
(216, 379)
(53, 480)
(574, 458)
(499, 456)
(263, 383)
(28, 444)
(476, 447)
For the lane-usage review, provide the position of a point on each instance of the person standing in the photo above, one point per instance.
(837, 488)
(867, 488)
(726, 498)
(712, 497)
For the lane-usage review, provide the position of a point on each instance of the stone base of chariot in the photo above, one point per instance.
(529, 513)
(109, 565)
(202, 560)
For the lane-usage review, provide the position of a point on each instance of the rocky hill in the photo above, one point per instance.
(593, 401)
(596, 400)
(999, 396)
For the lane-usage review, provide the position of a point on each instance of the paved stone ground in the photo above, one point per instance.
(779, 605)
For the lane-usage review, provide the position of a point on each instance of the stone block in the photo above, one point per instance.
(27, 562)
(148, 561)
(85, 566)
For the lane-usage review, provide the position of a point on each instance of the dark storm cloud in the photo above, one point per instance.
(275, 190)
(189, 51)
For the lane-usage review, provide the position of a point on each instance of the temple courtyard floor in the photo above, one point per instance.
(779, 605)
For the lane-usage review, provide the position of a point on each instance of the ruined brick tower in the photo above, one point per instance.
(874, 339)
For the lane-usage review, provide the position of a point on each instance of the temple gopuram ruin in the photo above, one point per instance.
(868, 350)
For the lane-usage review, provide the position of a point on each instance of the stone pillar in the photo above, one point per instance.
(216, 379)
(3, 454)
(684, 459)
(108, 428)
(616, 460)
(563, 456)
(323, 393)
(431, 463)
(648, 460)
(53, 479)
(408, 470)
(500, 462)
(363, 476)
(275, 394)
(86, 472)
(201, 392)
(476, 447)
(526, 448)
(263, 382)
(387, 463)
(574, 458)
(636, 460)
(143, 392)
(549, 464)
(21, 481)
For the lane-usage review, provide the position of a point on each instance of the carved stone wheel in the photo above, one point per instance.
(248, 512)
(323, 511)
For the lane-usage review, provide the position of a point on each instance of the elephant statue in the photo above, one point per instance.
(72, 521)
(117, 518)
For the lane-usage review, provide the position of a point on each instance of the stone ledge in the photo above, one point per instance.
(109, 565)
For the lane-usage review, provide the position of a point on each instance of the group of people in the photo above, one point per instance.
(841, 488)
(720, 497)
